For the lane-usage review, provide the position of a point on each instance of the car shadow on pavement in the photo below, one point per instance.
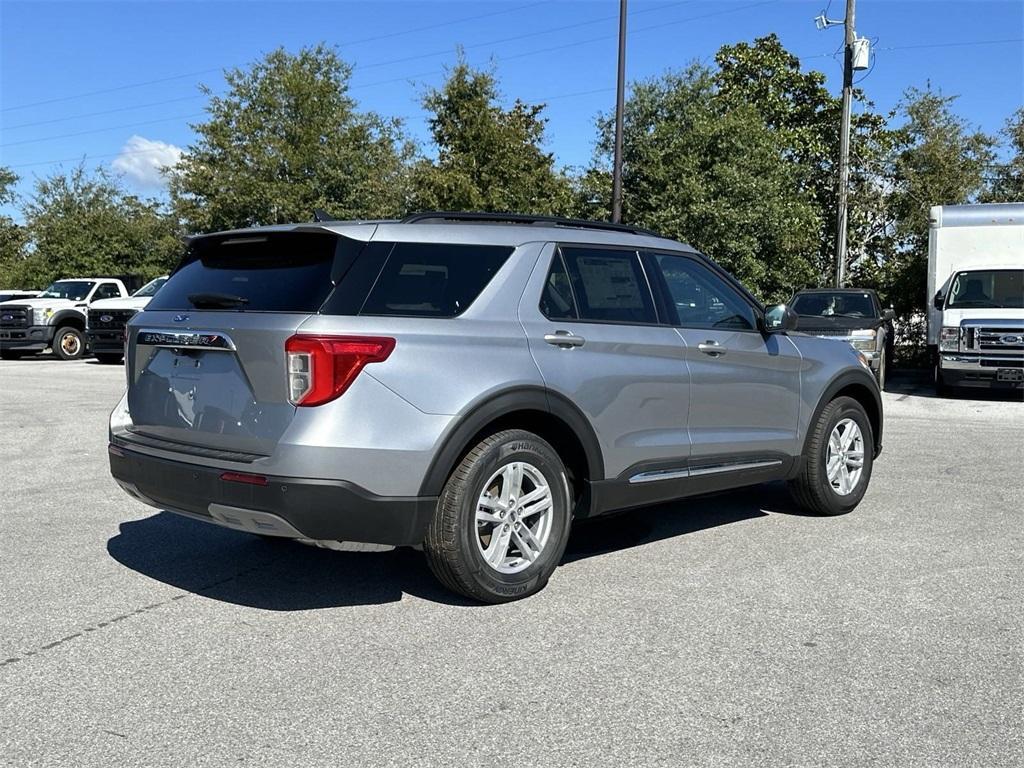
(281, 575)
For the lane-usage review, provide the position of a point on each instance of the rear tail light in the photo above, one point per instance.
(321, 368)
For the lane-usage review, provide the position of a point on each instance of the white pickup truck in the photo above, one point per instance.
(107, 319)
(55, 319)
(976, 295)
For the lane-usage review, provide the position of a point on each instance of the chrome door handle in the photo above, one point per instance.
(712, 348)
(565, 339)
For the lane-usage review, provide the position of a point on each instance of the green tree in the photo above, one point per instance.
(701, 168)
(83, 223)
(943, 161)
(12, 237)
(284, 139)
(1007, 186)
(798, 108)
(488, 158)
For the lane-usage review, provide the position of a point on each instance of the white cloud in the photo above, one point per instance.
(142, 160)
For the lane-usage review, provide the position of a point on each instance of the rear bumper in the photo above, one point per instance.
(291, 507)
(34, 338)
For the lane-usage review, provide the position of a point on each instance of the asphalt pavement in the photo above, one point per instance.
(730, 630)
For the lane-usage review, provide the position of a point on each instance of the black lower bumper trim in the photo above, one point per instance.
(318, 509)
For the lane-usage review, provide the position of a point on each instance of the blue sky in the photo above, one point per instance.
(72, 73)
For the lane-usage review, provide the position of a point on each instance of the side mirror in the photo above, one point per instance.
(889, 314)
(940, 300)
(779, 319)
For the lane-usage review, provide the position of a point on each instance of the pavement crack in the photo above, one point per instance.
(99, 625)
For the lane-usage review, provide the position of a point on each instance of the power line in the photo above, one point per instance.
(103, 112)
(196, 73)
(99, 130)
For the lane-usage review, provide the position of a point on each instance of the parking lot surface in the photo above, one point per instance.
(729, 630)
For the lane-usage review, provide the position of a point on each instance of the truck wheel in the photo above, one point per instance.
(502, 520)
(9, 354)
(109, 358)
(837, 460)
(942, 389)
(69, 343)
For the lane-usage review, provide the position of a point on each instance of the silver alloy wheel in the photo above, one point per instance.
(71, 344)
(513, 517)
(844, 461)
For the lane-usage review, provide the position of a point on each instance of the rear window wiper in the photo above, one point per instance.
(216, 300)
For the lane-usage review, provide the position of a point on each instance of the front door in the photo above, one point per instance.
(744, 385)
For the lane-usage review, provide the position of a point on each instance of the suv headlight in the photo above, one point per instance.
(949, 339)
(865, 341)
(41, 316)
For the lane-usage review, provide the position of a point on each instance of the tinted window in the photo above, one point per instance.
(841, 304)
(277, 272)
(150, 288)
(433, 280)
(557, 302)
(609, 285)
(106, 291)
(700, 298)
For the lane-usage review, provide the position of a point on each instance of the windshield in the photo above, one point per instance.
(834, 305)
(991, 288)
(150, 288)
(72, 290)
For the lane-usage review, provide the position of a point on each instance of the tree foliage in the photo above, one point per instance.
(1007, 185)
(488, 158)
(284, 139)
(81, 223)
(13, 238)
(702, 168)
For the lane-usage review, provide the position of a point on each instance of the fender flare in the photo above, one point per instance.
(457, 440)
(846, 378)
(67, 314)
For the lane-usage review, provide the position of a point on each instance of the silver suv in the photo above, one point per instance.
(474, 384)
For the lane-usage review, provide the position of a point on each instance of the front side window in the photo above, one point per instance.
(609, 285)
(989, 288)
(700, 298)
(106, 291)
(72, 290)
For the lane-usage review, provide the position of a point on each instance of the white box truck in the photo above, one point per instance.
(976, 295)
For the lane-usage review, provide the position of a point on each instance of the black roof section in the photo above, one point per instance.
(836, 290)
(521, 218)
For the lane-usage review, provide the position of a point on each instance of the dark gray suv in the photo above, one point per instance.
(474, 384)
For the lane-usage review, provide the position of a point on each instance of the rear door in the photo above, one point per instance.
(595, 334)
(744, 385)
(206, 359)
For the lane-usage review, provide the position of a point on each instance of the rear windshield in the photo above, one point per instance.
(275, 272)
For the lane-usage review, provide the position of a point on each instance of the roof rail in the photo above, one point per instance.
(521, 218)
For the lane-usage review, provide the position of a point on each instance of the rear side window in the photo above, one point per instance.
(433, 279)
(609, 285)
(274, 272)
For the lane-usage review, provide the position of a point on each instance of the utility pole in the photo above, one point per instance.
(620, 97)
(844, 142)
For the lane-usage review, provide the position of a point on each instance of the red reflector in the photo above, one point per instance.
(241, 477)
(321, 368)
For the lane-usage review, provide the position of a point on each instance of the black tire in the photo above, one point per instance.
(68, 343)
(109, 358)
(451, 546)
(811, 489)
(9, 354)
(942, 389)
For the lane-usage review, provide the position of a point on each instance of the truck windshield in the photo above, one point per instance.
(834, 305)
(989, 288)
(149, 288)
(72, 290)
